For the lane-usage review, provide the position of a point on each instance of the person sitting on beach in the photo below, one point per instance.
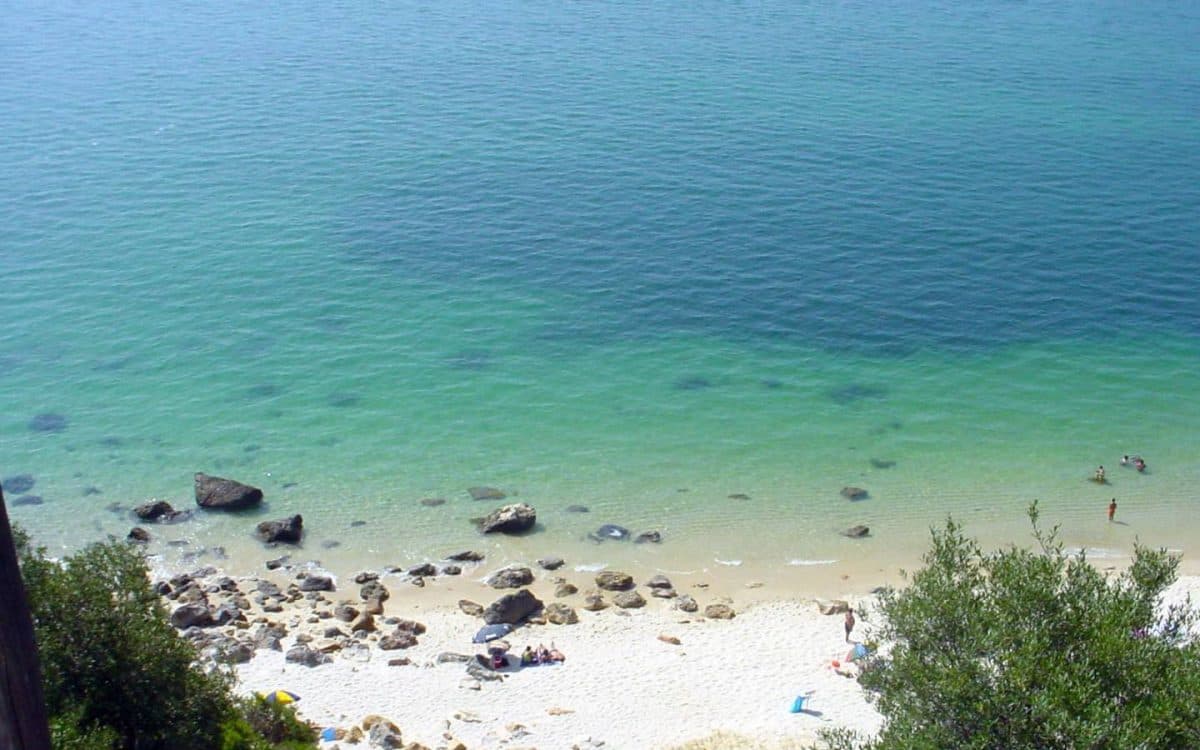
(553, 655)
(528, 658)
(1100, 475)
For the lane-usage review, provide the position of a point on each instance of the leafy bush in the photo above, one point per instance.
(115, 672)
(1033, 649)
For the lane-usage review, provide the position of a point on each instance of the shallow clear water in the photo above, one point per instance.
(636, 258)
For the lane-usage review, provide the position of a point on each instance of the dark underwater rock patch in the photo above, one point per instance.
(344, 400)
(48, 422)
(18, 483)
(852, 393)
(882, 463)
(264, 390)
(692, 383)
(28, 500)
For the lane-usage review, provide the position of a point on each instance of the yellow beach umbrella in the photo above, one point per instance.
(282, 697)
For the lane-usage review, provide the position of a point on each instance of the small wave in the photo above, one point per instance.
(731, 563)
(799, 562)
(1097, 553)
(590, 567)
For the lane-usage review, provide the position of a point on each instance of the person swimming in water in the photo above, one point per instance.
(1100, 475)
(1139, 464)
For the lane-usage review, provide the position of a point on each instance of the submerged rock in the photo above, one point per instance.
(218, 493)
(286, 530)
(854, 493)
(486, 493)
(609, 531)
(18, 483)
(856, 532)
(48, 422)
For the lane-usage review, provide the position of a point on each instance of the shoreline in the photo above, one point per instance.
(625, 681)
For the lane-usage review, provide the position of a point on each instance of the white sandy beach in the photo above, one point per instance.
(620, 685)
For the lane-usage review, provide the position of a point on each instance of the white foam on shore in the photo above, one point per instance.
(800, 562)
(590, 567)
(730, 563)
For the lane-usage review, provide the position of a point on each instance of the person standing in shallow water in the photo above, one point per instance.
(849, 623)
(1112, 509)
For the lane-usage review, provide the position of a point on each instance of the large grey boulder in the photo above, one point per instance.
(513, 577)
(192, 615)
(286, 530)
(218, 493)
(512, 608)
(515, 518)
(302, 654)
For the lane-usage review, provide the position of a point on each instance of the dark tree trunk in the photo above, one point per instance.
(23, 724)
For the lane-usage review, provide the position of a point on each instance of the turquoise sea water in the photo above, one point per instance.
(639, 257)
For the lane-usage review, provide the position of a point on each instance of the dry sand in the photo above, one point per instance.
(620, 687)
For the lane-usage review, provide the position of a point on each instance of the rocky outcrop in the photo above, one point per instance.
(285, 530)
(516, 518)
(471, 608)
(316, 582)
(138, 534)
(306, 656)
(719, 612)
(397, 640)
(659, 582)
(565, 589)
(854, 493)
(424, 569)
(466, 556)
(835, 607)
(609, 531)
(593, 601)
(218, 493)
(685, 603)
(512, 608)
(551, 563)
(629, 600)
(511, 578)
(612, 580)
(195, 615)
(160, 511)
(561, 614)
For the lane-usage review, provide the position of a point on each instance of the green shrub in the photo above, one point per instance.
(1032, 650)
(117, 674)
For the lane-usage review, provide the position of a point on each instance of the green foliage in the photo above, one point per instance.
(277, 723)
(115, 672)
(1032, 649)
(67, 733)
